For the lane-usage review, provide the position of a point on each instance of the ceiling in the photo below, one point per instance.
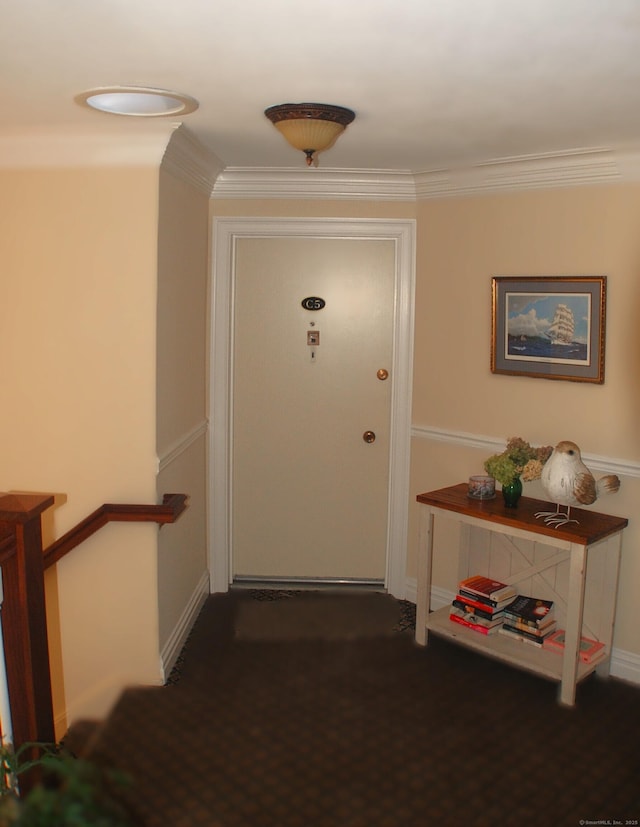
(435, 84)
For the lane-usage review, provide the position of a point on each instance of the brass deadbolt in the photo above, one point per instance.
(369, 436)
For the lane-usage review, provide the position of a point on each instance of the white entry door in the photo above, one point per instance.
(295, 490)
(311, 407)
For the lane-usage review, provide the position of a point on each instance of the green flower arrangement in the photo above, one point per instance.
(65, 791)
(519, 459)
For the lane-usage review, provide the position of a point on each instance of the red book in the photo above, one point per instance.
(472, 617)
(588, 648)
(484, 630)
(487, 588)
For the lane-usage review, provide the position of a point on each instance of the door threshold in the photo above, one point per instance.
(307, 583)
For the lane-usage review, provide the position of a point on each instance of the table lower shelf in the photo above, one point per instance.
(543, 662)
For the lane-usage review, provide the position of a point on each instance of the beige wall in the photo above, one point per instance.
(462, 243)
(182, 345)
(78, 331)
(84, 286)
(289, 207)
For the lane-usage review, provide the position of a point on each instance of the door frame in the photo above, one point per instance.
(226, 233)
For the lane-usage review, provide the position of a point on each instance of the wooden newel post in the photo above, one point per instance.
(24, 623)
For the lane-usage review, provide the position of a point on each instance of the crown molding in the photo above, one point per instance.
(315, 184)
(171, 144)
(577, 167)
(571, 168)
(189, 160)
(81, 147)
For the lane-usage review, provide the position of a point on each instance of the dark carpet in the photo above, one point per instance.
(314, 616)
(367, 732)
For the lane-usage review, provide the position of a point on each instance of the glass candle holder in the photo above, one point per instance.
(482, 487)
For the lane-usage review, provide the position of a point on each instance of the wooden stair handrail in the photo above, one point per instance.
(24, 622)
(168, 512)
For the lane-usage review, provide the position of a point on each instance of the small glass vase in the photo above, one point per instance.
(512, 493)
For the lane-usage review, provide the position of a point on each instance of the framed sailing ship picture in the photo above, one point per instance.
(548, 327)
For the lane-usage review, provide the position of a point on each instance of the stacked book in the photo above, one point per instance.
(589, 649)
(529, 619)
(480, 604)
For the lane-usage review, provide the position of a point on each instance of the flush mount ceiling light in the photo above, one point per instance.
(310, 127)
(137, 101)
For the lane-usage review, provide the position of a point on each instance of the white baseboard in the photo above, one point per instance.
(173, 646)
(97, 701)
(624, 665)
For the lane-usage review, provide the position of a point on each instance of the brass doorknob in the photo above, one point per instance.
(382, 374)
(369, 436)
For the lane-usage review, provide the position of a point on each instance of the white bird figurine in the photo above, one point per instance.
(567, 481)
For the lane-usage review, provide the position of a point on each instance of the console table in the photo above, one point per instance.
(587, 552)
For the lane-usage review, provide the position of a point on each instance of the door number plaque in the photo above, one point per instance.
(313, 303)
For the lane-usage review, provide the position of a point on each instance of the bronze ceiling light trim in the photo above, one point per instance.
(310, 127)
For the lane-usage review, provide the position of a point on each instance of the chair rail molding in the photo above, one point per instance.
(180, 445)
(493, 445)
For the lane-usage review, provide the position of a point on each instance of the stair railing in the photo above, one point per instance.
(24, 625)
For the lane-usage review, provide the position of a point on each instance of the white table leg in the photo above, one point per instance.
(573, 632)
(425, 556)
(608, 599)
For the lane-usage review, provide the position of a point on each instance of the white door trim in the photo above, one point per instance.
(226, 232)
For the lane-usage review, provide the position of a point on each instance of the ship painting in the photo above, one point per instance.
(562, 328)
(548, 328)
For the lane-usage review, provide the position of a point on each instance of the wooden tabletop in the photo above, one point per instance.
(591, 527)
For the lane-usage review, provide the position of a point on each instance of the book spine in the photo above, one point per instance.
(523, 626)
(484, 630)
(486, 601)
(594, 653)
(516, 618)
(478, 609)
(529, 635)
(497, 596)
(587, 655)
(475, 619)
(524, 638)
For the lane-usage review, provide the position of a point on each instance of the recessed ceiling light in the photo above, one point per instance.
(137, 101)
